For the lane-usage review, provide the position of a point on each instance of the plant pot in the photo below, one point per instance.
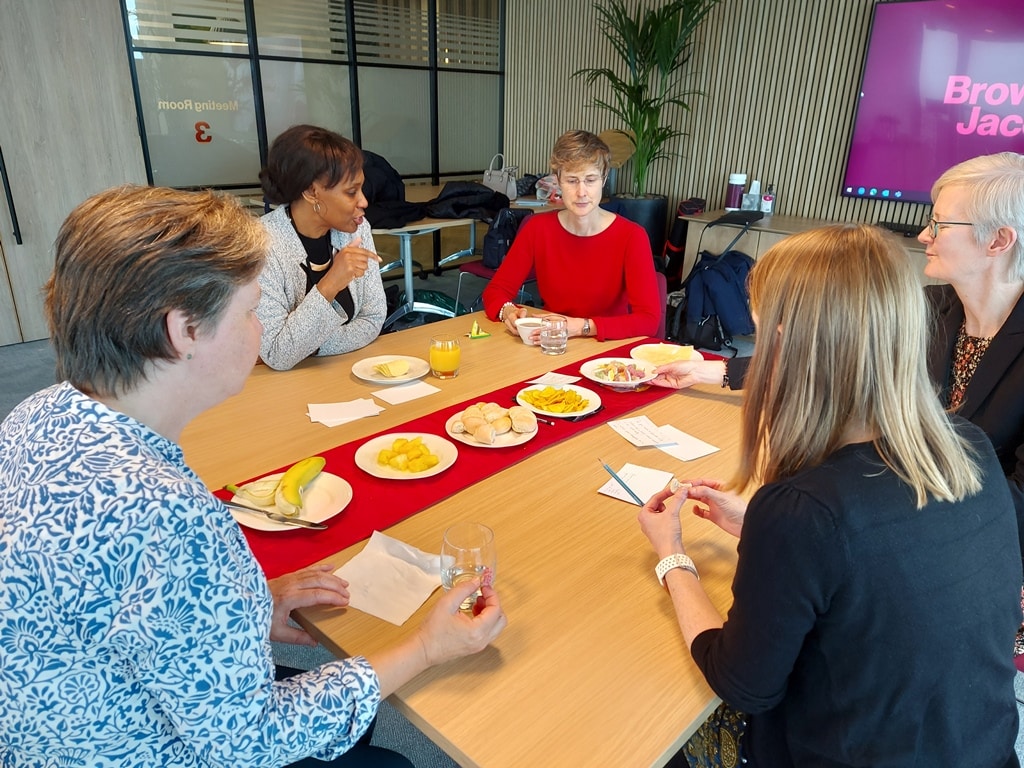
(650, 212)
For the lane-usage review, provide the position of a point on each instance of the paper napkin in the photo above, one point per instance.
(390, 579)
(554, 379)
(644, 481)
(683, 446)
(335, 414)
(403, 393)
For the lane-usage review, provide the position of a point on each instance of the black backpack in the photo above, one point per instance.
(717, 305)
(501, 233)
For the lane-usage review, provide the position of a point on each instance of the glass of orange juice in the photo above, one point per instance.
(445, 356)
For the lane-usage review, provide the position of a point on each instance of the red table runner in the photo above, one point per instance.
(378, 503)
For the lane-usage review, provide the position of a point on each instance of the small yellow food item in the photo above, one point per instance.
(476, 332)
(392, 368)
(288, 496)
(408, 455)
(555, 400)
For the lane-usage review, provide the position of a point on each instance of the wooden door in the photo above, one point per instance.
(68, 129)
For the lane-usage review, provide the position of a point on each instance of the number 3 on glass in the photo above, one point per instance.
(201, 136)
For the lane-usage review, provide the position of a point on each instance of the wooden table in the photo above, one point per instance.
(591, 670)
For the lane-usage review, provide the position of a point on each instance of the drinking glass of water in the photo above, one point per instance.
(554, 332)
(468, 552)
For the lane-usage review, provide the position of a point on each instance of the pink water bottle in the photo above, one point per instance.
(734, 192)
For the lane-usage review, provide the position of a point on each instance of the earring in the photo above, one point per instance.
(316, 207)
(188, 356)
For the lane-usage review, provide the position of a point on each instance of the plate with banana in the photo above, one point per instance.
(489, 425)
(390, 369)
(304, 491)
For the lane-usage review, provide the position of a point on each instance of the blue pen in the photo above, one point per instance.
(620, 481)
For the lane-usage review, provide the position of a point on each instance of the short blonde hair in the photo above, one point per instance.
(575, 150)
(995, 198)
(841, 344)
(128, 256)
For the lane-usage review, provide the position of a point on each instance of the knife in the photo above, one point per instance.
(277, 517)
(583, 416)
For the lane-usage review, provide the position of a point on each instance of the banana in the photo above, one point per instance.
(259, 492)
(476, 332)
(288, 495)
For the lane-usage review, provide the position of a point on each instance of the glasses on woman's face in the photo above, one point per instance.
(574, 182)
(933, 226)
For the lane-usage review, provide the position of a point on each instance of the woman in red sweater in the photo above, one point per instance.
(592, 266)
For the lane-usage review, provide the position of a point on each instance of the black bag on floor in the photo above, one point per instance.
(501, 233)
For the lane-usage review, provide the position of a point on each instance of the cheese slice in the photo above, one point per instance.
(392, 368)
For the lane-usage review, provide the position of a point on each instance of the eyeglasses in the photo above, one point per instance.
(933, 226)
(574, 182)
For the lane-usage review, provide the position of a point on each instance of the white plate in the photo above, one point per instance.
(365, 371)
(366, 455)
(593, 401)
(589, 370)
(323, 498)
(501, 441)
(660, 354)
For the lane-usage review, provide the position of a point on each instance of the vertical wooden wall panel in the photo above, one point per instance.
(780, 83)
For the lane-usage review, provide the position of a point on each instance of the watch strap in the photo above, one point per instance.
(674, 561)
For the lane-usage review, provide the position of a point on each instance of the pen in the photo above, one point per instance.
(620, 481)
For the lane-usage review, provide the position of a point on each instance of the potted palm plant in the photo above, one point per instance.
(653, 45)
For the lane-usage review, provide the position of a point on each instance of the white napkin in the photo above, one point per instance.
(403, 393)
(644, 482)
(390, 579)
(683, 446)
(554, 379)
(335, 414)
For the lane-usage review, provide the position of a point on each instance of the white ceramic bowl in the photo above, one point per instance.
(526, 326)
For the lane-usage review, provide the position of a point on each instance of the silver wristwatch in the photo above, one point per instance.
(586, 326)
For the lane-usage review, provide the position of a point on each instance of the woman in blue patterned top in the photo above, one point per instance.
(135, 624)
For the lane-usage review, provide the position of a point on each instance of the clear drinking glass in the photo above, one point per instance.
(468, 552)
(445, 356)
(554, 334)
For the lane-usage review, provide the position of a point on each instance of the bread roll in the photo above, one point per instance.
(484, 434)
(523, 419)
(471, 423)
(502, 425)
(493, 412)
(458, 427)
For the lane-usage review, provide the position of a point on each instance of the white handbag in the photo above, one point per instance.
(503, 178)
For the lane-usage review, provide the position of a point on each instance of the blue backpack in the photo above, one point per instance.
(716, 305)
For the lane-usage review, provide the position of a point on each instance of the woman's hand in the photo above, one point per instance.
(450, 633)
(315, 585)
(509, 316)
(350, 262)
(724, 508)
(659, 520)
(685, 373)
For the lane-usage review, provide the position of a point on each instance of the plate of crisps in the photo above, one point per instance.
(568, 400)
(661, 354)
(406, 455)
(390, 369)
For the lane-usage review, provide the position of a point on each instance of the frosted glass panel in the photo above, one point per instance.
(301, 92)
(395, 113)
(468, 35)
(467, 120)
(199, 25)
(301, 29)
(200, 121)
(392, 32)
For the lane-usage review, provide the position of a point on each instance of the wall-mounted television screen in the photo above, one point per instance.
(943, 81)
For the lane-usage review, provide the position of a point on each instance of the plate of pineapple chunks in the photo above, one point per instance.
(406, 455)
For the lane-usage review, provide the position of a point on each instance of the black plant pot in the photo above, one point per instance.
(650, 212)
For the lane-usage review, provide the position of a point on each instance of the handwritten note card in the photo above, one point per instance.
(643, 481)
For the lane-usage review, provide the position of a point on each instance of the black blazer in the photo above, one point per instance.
(994, 399)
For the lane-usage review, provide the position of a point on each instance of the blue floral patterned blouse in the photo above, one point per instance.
(134, 620)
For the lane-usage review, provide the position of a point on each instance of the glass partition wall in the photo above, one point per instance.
(419, 82)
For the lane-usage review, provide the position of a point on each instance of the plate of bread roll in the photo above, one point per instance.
(489, 425)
